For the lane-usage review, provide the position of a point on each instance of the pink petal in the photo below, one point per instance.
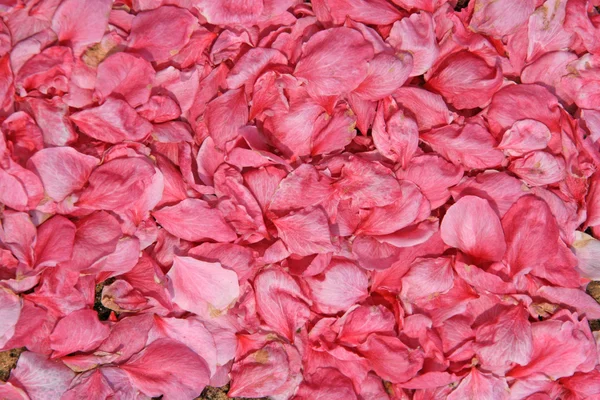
(225, 115)
(375, 12)
(125, 76)
(159, 34)
(220, 285)
(170, 368)
(490, 17)
(326, 383)
(305, 232)
(78, 331)
(478, 385)
(113, 122)
(390, 358)
(339, 287)
(51, 116)
(426, 278)
(281, 303)
(525, 136)
(587, 250)
(416, 35)
(10, 310)
(386, 73)
(90, 382)
(250, 65)
(539, 168)
(334, 61)
(571, 298)
(194, 220)
(472, 226)
(303, 187)
(359, 322)
(397, 138)
(62, 170)
(54, 242)
(41, 378)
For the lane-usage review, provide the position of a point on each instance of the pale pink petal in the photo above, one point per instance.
(62, 170)
(546, 31)
(41, 378)
(10, 310)
(339, 287)
(539, 168)
(334, 61)
(376, 12)
(51, 116)
(248, 68)
(194, 220)
(416, 35)
(490, 17)
(170, 368)
(305, 232)
(472, 226)
(220, 285)
(303, 187)
(587, 250)
(571, 298)
(524, 136)
(426, 278)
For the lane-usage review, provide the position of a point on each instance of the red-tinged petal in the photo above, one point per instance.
(339, 287)
(524, 136)
(51, 117)
(113, 122)
(159, 109)
(10, 392)
(360, 321)
(326, 383)
(78, 331)
(303, 187)
(221, 287)
(479, 385)
(386, 73)
(490, 18)
(225, 115)
(571, 298)
(238, 258)
(334, 61)
(390, 358)
(559, 348)
(416, 35)
(159, 34)
(471, 146)
(505, 339)
(377, 12)
(516, 102)
(397, 138)
(305, 232)
(54, 242)
(81, 24)
(280, 302)
(433, 175)
(248, 68)
(45, 71)
(472, 226)
(260, 373)
(85, 384)
(587, 250)
(427, 278)
(120, 296)
(170, 368)
(194, 220)
(373, 388)
(97, 236)
(428, 109)
(41, 378)
(465, 80)
(539, 168)
(62, 170)
(546, 30)
(127, 337)
(483, 280)
(17, 233)
(218, 13)
(125, 76)
(10, 310)
(338, 133)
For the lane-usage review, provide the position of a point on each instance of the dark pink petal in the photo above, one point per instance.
(250, 65)
(159, 34)
(305, 232)
(112, 122)
(194, 220)
(415, 34)
(221, 287)
(54, 242)
(479, 385)
(390, 358)
(170, 368)
(334, 61)
(472, 226)
(62, 170)
(125, 76)
(86, 383)
(339, 287)
(303, 187)
(326, 383)
(428, 109)
(280, 302)
(81, 24)
(397, 138)
(225, 115)
(78, 331)
(360, 321)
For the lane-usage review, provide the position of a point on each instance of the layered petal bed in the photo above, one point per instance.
(325, 199)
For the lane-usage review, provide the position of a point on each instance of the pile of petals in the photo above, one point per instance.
(334, 199)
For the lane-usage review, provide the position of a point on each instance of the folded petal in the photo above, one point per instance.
(416, 35)
(126, 76)
(587, 250)
(390, 358)
(113, 122)
(472, 226)
(397, 138)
